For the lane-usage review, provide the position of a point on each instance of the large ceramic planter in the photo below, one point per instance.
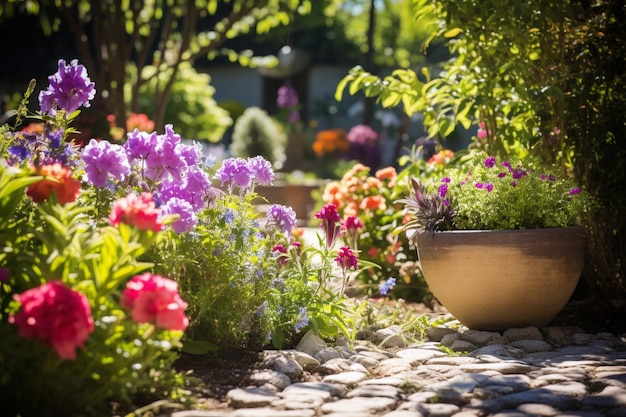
(495, 280)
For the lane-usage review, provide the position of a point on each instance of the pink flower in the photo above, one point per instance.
(155, 299)
(330, 222)
(346, 259)
(56, 314)
(138, 211)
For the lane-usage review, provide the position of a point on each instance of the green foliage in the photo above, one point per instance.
(224, 268)
(121, 359)
(542, 76)
(477, 195)
(191, 107)
(257, 133)
(161, 33)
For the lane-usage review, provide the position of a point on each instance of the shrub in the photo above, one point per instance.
(256, 133)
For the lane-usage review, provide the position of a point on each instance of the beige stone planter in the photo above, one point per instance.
(495, 280)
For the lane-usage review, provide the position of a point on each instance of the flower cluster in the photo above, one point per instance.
(155, 299)
(364, 146)
(58, 180)
(56, 314)
(287, 98)
(245, 173)
(70, 88)
(137, 121)
(367, 205)
(330, 142)
(485, 194)
(159, 164)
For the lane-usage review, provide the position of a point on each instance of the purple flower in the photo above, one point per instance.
(346, 258)
(489, 187)
(189, 153)
(478, 185)
(386, 286)
(282, 217)
(69, 89)
(164, 158)
(198, 186)
(139, 144)
(303, 320)
(518, 173)
(235, 171)
(286, 97)
(490, 162)
(574, 191)
(55, 139)
(443, 190)
(187, 219)
(262, 170)
(103, 159)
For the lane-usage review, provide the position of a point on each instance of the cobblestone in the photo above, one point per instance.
(555, 371)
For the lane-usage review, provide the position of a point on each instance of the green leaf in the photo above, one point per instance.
(198, 347)
(452, 32)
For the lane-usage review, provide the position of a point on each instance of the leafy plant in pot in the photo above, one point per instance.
(500, 245)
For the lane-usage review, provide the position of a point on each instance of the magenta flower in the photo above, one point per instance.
(281, 254)
(56, 314)
(69, 89)
(103, 159)
(346, 258)
(443, 190)
(353, 223)
(490, 162)
(155, 299)
(282, 218)
(574, 191)
(330, 222)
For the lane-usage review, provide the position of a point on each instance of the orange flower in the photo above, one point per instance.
(373, 202)
(351, 209)
(329, 141)
(388, 173)
(372, 183)
(441, 157)
(58, 179)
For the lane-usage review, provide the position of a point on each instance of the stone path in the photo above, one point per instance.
(554, 371)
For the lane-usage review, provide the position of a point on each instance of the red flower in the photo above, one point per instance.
(155, 299)
(138, 211)
(56, 314)
(59, 179)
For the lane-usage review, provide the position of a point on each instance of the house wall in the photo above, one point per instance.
(246, 86)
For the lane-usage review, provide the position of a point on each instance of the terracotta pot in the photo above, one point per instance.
(495, 280)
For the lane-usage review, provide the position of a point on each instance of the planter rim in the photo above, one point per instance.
(537, 230)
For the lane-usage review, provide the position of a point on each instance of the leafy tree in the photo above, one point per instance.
(163, 33)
